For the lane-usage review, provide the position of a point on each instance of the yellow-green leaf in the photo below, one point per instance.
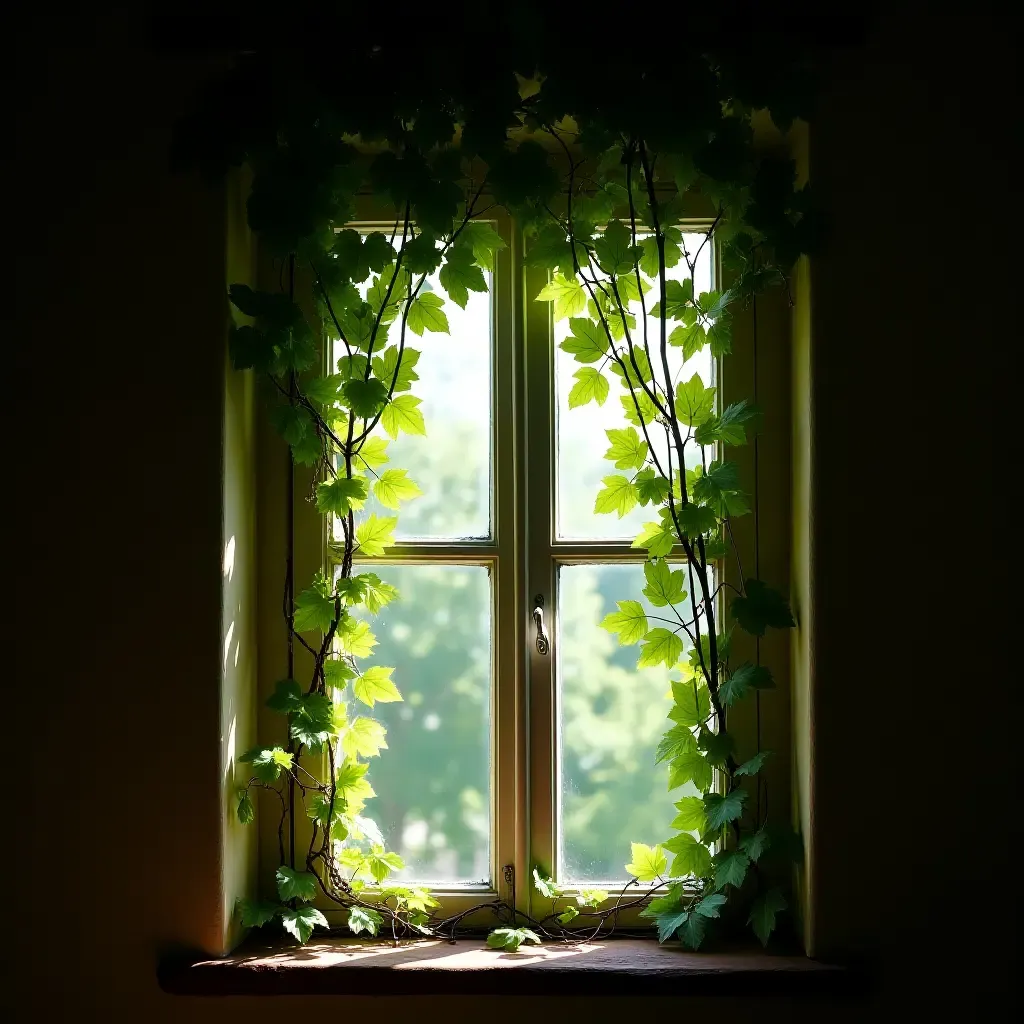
(374, 534)
(394, 486)
(402, 414)
(591, 386)
(618, 495)
(374, 686)
(568, 295)
(647, 862)
(630, 622)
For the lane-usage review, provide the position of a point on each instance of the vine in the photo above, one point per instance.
(600, 191)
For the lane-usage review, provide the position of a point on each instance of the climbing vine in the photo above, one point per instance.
(600, 172)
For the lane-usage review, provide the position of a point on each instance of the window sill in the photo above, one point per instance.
(467, 967)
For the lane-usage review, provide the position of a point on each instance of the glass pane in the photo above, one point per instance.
(433, 781)
(581, 441)
(611, 716)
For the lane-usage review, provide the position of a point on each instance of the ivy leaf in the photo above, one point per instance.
(588, 343)
(668, 924)
(762, 913)
(257, 913)
(353, 788)
(267, 762)
(670, 901)
(650, 261)
(678, 740)
(691, 817)
(658, 538)
(510, 939)
(760, 608)
(286, 698)
(695, 404)
(691, 704)
(693, 768)
(377, 594)
(364, 919)
(483, 240)
(364, 738)
(692, 931)
(709, 906)
(295, 885)
(591, 386)
(753, 846)
(630, 622)
(364, 397)
(721, 809)
(460, 275)
(313, 720)
(356, 638)
(755, 764)
(245, 810)
(402, 414)
(337, 496)
(372, 453)
(337, 672)
(394, 486)
(545, 886)
(731, 868)
(568, 295)
(381, 864)
(301, 921)
(617, 495)
(374, 534)
(314, 612)
(651, 489)
(426, 314)
(664, 587)
(691, 856)
(627, 451)
(374, 686)
(661, 647)
(746, 678)
(717, 746)
(319, 809)
(647, 862)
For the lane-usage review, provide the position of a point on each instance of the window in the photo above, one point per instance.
(502, 754)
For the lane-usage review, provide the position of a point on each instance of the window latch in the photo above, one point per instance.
(538, 620)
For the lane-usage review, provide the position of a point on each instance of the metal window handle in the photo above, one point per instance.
(538, 620)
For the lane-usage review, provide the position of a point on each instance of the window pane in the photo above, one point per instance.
(580, 433)
(611, 716)
(433, 781)
(452, 463)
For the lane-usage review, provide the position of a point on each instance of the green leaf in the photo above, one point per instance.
(295, 885)
(630, 622)
(709, 906)
(337, 672)
(267, 762)
(692, 931)
(510, 939)
(372, 453)
(720, 810)
(731, 868)
(691, 856)
(364, 397)
(374, 534)
(717, 746)
(245, 810)
(591, 897)
(483, 240)
(426, 314)
(364, 738)
(661, 647)
(755, 764)
(292, 422)
(257, 913)
(760, 608)
(746, 678)
(591, 386)
(730, 427)
(381, 864)
(664, 587)
(678, 740)
(460, 275)
(695, 404)
(312, 721)
(568, 295)
(678, 299)
(402, 414)
(762, 913)
(691, 817)
(670, 901)
(614, 249)
(364, 919)
(658, 538)
(691, 704)
(692, 767)
(588, 343)
(314, 612)
(650, 261)
(669, 923)
(696, 519)
(377, 594)
(353, 788)
(567, 915)
(394, 486)
(646, 863)
(627, 451)
(648, 411)
(301, 921)
(545, 886)
(319, 809)
(356, 638)
(651, 489)
(618, 495)
(337, 496)
(396, 366)
(420, 255)
(374, 686)
(286, 698)
(754, 845)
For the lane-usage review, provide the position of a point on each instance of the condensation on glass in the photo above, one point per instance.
(611, 716)
(433, 782)
(580, 433)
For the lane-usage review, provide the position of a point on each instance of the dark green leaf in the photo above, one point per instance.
(755, 764)
(651, 488)
(760, 608)
(717, 746)
(693, 768)
(678, 740)
(257, 913)
(762, 913)
(286, 698)
(731, 868)
(721, 809)
(245, 810)
(301, 921)
(312, 720)
(691, 932)
(746, 678)
(364, 397)
(754, 845)
(668, 923)
(709, 906)
(292, 884)
(460, 275)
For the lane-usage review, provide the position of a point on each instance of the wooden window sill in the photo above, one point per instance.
(466, 967)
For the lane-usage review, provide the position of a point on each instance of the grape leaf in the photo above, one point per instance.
(460, 275)
(691, 817)
(742, 681)
(661, 647)
(630, 622)
(337, 496)
(301, 921)
(257, 913)
(755, 764)
(691, 856)
(678, 740)
(664, 587)
(627, 451)
(292, 884)
(762, 913)
(568, 295)
(374, 686)
(731, 868)
(394, 486)
(647, 862)
(364, 919)
(374, 534)
(692, 767)
(618, 495)
(314, 612)
(588, 342)
(591, 386)
(402, 414)
(761, 607)
(721, 809)
(426, 314)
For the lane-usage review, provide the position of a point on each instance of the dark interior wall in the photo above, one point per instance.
(119, 295)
